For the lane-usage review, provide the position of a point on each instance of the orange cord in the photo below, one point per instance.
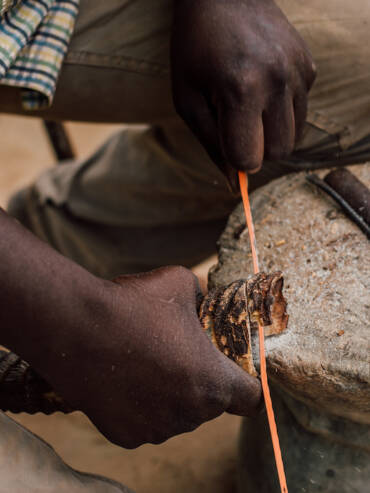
(243, 180)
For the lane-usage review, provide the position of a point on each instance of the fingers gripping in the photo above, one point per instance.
(193, 108)
(241, 133)
(245, 392)
(279, 127)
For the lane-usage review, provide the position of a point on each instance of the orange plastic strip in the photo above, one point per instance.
(243, 180)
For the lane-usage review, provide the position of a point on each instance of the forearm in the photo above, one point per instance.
(43, 297)
(131, 354)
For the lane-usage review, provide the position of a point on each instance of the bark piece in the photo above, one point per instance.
(229, 315)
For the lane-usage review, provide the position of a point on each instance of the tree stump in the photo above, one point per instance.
(319, 367)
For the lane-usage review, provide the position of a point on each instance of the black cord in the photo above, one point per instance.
(356, 218)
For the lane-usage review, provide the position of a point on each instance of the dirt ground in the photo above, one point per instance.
(203, 461)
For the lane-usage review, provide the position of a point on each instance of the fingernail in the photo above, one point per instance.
(232, 179)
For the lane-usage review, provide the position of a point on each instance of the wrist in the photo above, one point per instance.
(47, 302)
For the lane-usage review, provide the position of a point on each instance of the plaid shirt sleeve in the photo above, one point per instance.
(5, 5)
(34, 38)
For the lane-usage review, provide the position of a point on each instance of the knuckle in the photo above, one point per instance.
(159, 437)
(180, 272)
(130, 444)
(177, 426)
(207, 402)
(308, 69)
(212, 405)
(242, 85)
(313, 68)
(312, 74)
(127, 442)
(250, 85)
(181, 425)
(279, 74)
(186, 276)
(185, 427)
(183, 271)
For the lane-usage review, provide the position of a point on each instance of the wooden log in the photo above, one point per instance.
(323, 360)
(319, 369)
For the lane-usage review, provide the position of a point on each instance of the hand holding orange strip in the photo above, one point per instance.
(243, 181)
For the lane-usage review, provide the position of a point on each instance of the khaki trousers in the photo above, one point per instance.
(29, 465)
(150, 196)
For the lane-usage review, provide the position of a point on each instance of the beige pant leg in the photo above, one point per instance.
(155, 190)
(117, 67)
(338, 35)
(148, 197)
(29, 465)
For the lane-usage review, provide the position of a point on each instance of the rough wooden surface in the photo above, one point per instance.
(323, 358)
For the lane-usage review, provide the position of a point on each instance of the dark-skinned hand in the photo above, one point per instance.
(149, 372)
(241, 74)
(131, 354)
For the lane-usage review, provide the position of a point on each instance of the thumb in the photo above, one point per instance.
(246, 392)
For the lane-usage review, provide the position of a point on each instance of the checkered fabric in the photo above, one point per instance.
(34, 38)
(5, 5)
